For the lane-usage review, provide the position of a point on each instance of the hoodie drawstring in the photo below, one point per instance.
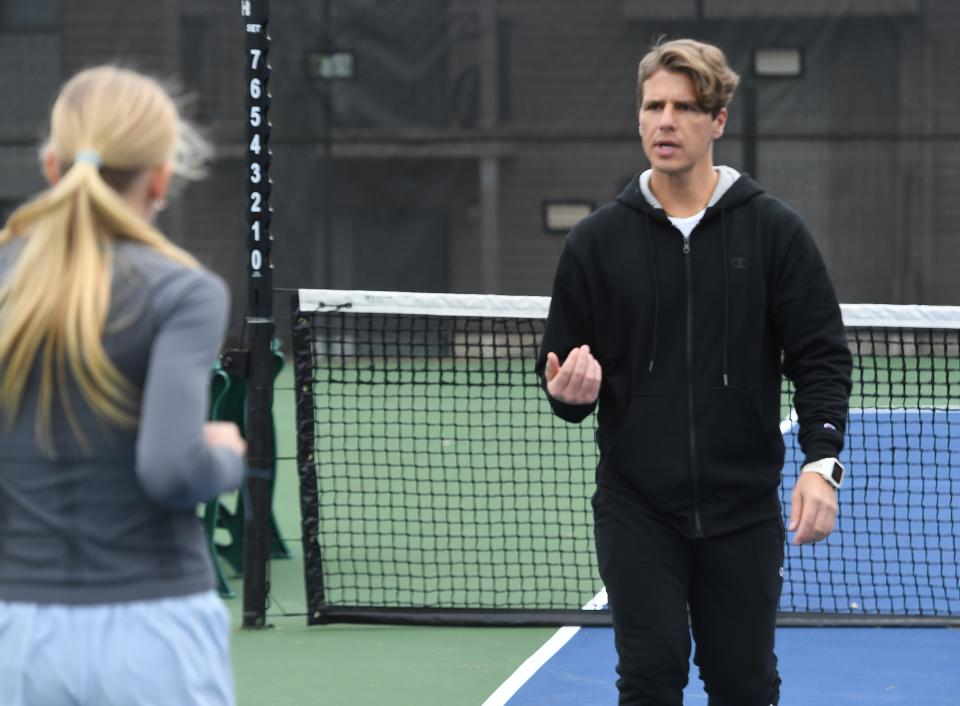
(726, 296)
(656, 292)
(638, 197)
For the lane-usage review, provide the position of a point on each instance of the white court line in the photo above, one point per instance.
(530, 666)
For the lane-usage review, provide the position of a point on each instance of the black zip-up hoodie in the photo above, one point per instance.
(692, 339)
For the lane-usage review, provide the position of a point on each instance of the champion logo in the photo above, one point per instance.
(781, 572)
(828, 425)
(738, 263)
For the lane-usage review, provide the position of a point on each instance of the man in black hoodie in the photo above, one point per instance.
(677, 308)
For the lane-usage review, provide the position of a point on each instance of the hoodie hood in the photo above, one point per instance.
(732, 190)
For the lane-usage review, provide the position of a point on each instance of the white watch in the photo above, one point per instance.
(830, 468)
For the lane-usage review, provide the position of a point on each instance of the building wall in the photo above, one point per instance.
(865, 144)
(826, 144)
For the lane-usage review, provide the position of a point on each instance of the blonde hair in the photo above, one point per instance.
(55, 301)
(714, 82)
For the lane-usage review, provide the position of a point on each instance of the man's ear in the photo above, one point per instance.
(159, 181)
(719, 123)
(51, 166)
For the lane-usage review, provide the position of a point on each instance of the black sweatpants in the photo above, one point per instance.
(730, 584)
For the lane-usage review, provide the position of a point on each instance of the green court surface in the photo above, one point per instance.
(348, 665)
(446, 482)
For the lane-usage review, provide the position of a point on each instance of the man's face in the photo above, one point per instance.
(677, 135)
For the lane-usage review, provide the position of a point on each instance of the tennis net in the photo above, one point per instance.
(438, 488)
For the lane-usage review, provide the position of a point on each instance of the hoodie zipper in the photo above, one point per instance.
(697, 527)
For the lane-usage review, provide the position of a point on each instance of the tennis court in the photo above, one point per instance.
(448, 145)
(823, 665)
(819, 667)
(379, 664)
(892, 560)
(291, 664)
(434, 488)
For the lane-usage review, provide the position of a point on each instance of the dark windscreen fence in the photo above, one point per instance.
(438, 488)
(448, 145)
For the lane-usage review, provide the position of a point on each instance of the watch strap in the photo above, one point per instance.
(829, 468)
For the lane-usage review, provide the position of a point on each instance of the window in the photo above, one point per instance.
(559, 216)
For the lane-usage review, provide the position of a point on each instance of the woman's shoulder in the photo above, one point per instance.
(155, 267)
(167, 280)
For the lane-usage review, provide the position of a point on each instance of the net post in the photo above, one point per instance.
(261, 454)
(305, 381)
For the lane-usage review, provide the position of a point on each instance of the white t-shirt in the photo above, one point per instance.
(687, 224)
(726, 179)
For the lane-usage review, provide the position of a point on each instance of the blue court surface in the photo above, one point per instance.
(895, 550)
(819, 667)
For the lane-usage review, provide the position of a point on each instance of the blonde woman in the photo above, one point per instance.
(107, 335)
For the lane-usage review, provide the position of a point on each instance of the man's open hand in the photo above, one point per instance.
(577, 381)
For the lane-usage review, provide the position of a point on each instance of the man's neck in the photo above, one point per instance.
(683, 195)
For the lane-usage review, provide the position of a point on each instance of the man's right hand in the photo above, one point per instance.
(577, 381)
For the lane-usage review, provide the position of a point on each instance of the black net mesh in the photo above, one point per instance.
(895, 549)
(436, 478)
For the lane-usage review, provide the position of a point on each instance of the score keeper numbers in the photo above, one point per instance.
(254, 14)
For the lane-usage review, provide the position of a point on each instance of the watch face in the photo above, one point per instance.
(837, 473)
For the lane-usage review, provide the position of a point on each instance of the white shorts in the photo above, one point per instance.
(167, 652)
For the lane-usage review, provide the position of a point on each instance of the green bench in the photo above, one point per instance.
(228, 404)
